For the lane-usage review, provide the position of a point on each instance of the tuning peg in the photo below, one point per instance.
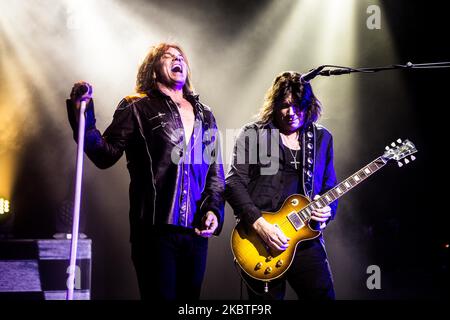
(393, 144)
(413, 158)
(406, 161)
(400, 164)
(399, 140)
(387, 148)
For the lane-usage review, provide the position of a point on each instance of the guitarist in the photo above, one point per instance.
(303, 157)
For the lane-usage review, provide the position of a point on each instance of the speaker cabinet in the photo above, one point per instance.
(37, 269)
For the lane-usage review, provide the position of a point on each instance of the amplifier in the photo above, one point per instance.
(37, 269)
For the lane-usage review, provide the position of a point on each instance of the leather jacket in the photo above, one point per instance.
(165, 188)
(250, 191)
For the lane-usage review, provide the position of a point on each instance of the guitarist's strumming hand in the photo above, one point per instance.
(321, 215)
(210, 224)
(271, 234)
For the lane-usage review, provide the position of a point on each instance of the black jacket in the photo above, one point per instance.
(149, 129)
(249, 190)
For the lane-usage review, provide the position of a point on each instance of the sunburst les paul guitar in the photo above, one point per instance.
(262, 263)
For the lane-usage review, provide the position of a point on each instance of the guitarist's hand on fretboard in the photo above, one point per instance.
(271, 234)
(321, 215)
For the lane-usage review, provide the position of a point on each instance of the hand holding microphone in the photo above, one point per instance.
(81, 91)
(81, 94)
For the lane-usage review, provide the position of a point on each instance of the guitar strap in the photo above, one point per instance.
(308, 138)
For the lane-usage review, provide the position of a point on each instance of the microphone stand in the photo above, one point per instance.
(345, 70)
(77, 203)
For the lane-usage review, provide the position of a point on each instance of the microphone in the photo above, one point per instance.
(311, 74)
(84, 91)
(84, 88)
(335, 72)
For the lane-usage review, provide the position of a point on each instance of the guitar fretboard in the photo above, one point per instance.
(342, 188)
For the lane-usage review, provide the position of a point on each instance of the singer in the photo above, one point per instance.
(305, 167)
(176, 193)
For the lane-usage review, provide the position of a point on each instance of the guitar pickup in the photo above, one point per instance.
(295, 220)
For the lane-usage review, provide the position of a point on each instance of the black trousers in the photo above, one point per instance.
(309, 275)
(171, 265)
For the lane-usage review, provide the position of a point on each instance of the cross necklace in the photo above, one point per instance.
(295, 162)
(294, 156)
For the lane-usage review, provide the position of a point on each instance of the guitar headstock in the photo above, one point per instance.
(399, 151)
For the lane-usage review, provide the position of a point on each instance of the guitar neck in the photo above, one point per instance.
(343, 187)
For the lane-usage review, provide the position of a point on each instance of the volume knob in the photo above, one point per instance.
(268, 269)
(279, 263)
(258, 266)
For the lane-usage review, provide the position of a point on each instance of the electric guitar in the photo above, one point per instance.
(265, 264)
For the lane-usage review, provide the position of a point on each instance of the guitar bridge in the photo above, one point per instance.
(295, 220)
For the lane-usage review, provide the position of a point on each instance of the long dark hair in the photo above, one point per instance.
(290, 83)
(146, 77)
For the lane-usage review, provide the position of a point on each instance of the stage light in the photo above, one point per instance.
(6, 219)
(4, 206)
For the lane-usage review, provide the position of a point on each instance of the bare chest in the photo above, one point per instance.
(187, 118)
